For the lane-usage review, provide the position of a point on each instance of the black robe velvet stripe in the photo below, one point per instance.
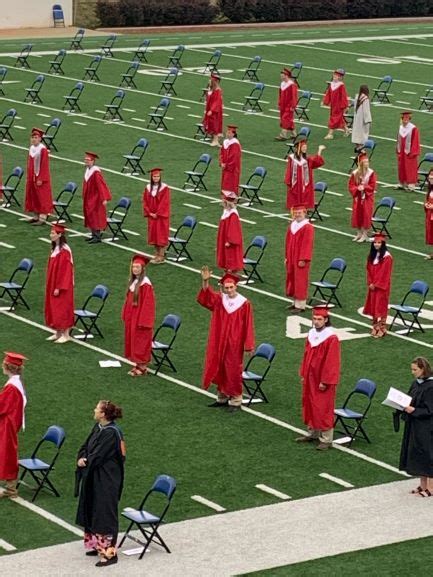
(416, 457)
(101, 480)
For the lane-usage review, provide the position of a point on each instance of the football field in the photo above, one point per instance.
(222, 458)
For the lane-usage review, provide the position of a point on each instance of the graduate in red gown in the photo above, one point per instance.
(138, 315)
(231, 333)
(379, 271)
(213, 114)
(12, 405)
(299, 175)
(59, 290)
(156, 207)
(428, 208)
(408, 149)
(362, 187)
(287, 100)
(96, 194)
(38, 199)
(231, 161)
(230, 248)
(299, 252)
(320, 374)
(337, 99)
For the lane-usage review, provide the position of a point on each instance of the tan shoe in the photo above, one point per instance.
(305, 439)
(323, 446)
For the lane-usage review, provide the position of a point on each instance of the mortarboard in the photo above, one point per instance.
(229, 277)
(140, 259)
(92, 155)
(38, 132)
(14, 359)
(321, 312)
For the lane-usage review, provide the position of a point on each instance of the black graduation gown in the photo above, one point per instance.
(416, 456)
(101, 480)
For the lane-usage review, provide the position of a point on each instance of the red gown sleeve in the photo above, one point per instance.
(44, 168)
(306, 251)
(234, 157)
(370, 187)
(217, 102)
(415, 148)
(103, 190)
(327, 97)
(146, 209)
(249, 338)
(164, 204)
(208, 298)
(383, 279)
(146, 315)
(316, 161)
(352, 186)
(234, 231)
(288, 175)
(331, 368)
(65, 271)
(302, 367)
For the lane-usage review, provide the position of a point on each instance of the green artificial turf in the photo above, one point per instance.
(169, 428)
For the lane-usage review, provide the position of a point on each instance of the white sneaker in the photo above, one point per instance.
(52, 337)
(62, 340)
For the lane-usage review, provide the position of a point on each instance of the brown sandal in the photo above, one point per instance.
(137, 372)
(424, 493)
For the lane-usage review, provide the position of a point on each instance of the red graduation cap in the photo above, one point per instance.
(58, 228)
(379, 237)
(155, 170)
(406, 113)
(38, 132)
(299, 207)
(92, 155)
(287, 72)
(321, 312)
(140, 259)
(215, 76)
(229, 277)
(232, 127)
(340, 71)
(14, 359)
(362, 157)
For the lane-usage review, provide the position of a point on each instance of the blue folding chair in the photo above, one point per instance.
(141, 53)
(134, 158)
(410, 307)
(381, 92)
(76, 42)
(23, 57)
(71, 100)
(427, 100)
(252, 70)
(301, 108)
(128, 77)
(91, 71)
(179, 241)
(58, 16)
(89, 315)
(9, 188)
(381, 215)
(40, 470)
(320, 189)
(304, 131)
(296, 71)
(51, 133)
(106, 48)
(117, 216)
(196, 175)
(156, 118)
(56, 64)
(252, 257)
(3, 72)
(251, 377)
(147, 522)
(349, 113)
(167, 84)
(112, 110)
(252, 101)
(163, 341)
(253, 185)
(63, 201)
(32, 93)
(368, 148)
(424, 170)
(328, 285)
(6, 124)
(351, 417)
(176, 56)
(212, 63)
(13, 289)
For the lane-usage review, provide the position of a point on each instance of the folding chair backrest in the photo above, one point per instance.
(141, 146)
(100, 292)
(119, 95)
(77, 88)
(419, 287)
(387, 80)
(144, 44)
(259, 87)
(365, 387)
(3, 72)
(428, 157)
(321, 187)
(96, 62)
(338, 264)
(14, 178)
(369, 145)
(260, 242)
(171, 321)
(188, 222)
(204, 159)
(305, 131)
(386, 202)
(54, 126)
(359, 399)
(164, 103)
(304, 98)
(260, 171)
(69, 188)
(9, 117)
(265, 350)
(55, 435)
(124, 203)
(25, 265)
(164, 484)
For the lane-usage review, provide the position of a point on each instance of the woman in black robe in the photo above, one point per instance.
(100, 475)
(416, 457)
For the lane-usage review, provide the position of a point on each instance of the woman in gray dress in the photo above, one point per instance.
(361, 118)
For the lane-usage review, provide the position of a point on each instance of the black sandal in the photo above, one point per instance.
(425, 493)
(107, 562)
(417, 490)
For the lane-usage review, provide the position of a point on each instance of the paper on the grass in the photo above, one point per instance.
(109, 363)
(396, 399)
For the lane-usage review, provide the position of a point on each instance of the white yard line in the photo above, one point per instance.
(336, 480)
(6, 245)
(7, 546)
(192, 205)
(247, 221)
(274, 492)
(209, 224)
(208, 503)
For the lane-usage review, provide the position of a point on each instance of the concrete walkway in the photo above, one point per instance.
(254, 539)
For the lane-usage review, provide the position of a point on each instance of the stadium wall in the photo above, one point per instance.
(32, 13)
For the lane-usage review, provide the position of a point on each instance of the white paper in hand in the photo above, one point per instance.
(396, 399)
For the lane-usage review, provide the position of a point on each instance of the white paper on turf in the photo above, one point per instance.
(396, 399)
(109, 363)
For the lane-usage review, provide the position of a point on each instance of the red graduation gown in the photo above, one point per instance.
(139, 320)
(363, 201)
(299, 246)
(213, 124)
(157, 228)
(59, 310)
(336, 98)
(320, 364)
(408, 159)
(429, 217)
(230, 156)
(287, 100)
(11, 419)
(38, 197)
(377, 300)
(95, 191)
(230, 230)
(230, 334)
(300, 184)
